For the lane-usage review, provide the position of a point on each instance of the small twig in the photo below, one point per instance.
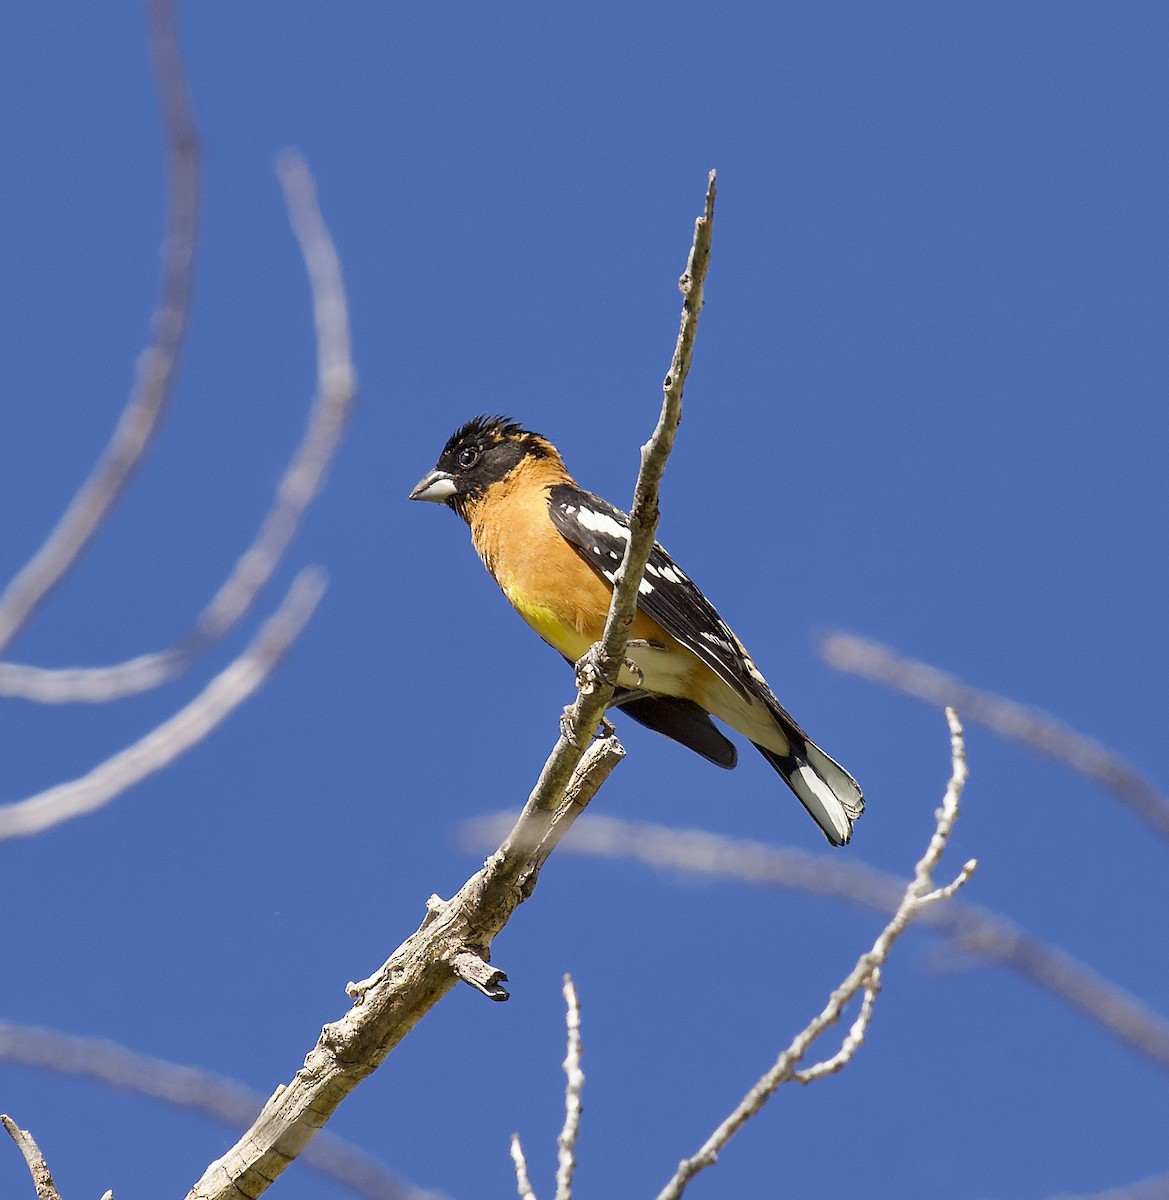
(582, 718)
(644, 512)
(853, 1042)
(156, 365)
(1017, 723)
(42, 1178)
(566, 1142)
(189, 726)
(920, 893)
(523, 1183)
(473, 968)
(299, 486)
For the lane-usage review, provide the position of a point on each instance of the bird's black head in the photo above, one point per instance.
(478, 454)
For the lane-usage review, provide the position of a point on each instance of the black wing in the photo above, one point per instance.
(598, 532)
(684, 722)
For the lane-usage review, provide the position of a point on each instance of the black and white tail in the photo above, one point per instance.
(821, 784)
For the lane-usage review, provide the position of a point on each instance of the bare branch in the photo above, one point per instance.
(920, 893)
(196, 1091)
(189, 726)
(392, 1001)
(852, 1043)
(644, 513)
(42, 1178)
(156, 365)
(566, 1142)
(301, 483)
(974, 930)
(1027, 726)
(582, 718)
(420, 972)
(523, 1183)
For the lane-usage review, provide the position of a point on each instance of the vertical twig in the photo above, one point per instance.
(566, 1142)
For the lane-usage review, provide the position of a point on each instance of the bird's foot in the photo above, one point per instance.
(590, 672)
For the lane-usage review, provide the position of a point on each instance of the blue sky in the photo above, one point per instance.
(927, 406)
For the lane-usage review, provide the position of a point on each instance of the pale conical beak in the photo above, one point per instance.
(437, 486)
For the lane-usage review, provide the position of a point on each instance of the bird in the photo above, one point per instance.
(555, 551)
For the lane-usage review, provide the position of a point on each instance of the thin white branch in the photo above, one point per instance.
(195, 1091)
(566, 1142)
(853, 1042)
(605, 659)
(523, 1183)
(973, 930)
(920, 893)
(299, 486)
(1028, 727)
(189, 726)
(156, 365)
(42, 1178)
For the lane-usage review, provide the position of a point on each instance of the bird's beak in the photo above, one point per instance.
(437, 486)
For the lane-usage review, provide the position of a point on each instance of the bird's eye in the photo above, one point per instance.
(468, 457)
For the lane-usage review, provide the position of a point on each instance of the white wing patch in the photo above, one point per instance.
(668, 573)
(600, 534)
(599, 522)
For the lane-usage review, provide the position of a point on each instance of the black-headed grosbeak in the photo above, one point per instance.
(555, 550)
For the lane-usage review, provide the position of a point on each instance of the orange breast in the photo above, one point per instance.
(559, 595)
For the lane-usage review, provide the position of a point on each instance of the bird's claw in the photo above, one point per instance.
(590, 672)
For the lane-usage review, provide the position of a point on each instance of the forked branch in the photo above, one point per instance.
(863, 978)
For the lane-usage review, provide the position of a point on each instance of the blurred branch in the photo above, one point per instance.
(302, 481)
(864, 977)
(156, 365)
(1026, 726)
(42, 1178)
(1154, 1188)
(196, 1091)
(189, 726)
(974, 930)
(456, 932)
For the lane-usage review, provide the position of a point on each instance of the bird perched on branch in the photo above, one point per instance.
(555, 550)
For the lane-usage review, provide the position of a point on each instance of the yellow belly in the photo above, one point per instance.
(570, 642)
